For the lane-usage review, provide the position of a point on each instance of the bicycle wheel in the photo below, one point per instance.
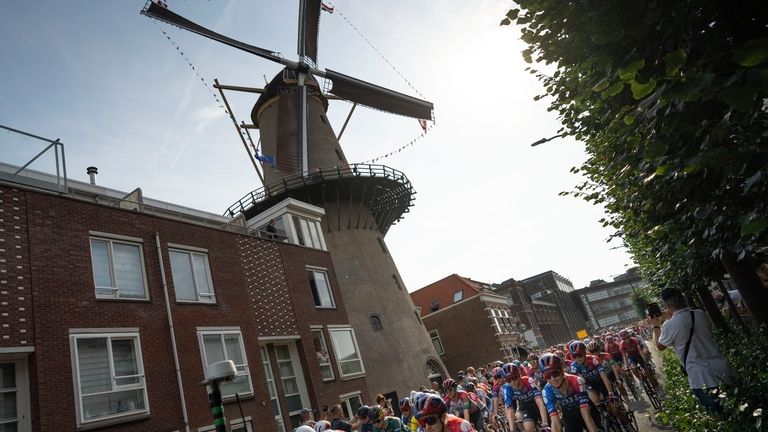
(651, 393)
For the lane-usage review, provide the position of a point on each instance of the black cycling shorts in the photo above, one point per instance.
(529, 411)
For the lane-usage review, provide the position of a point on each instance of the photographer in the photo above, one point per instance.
(689, 332)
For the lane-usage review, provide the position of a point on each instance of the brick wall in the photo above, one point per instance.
(16, 326)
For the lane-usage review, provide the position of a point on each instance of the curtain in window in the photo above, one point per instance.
(102, 272)
(183, 282)
(128, 273)
(201, 274)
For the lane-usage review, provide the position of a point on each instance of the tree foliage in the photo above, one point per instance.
(670, 98)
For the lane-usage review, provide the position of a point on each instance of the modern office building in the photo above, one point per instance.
(609, 304)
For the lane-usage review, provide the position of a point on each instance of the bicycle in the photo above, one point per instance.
(650, 391)
(539, 427)
(628, 379)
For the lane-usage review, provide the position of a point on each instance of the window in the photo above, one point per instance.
(218, 346)
(347, 353)
(376, 323)
(321, 289)
(109, 377)
(495, 315)
(191, 276)
(288, 379)
(434, 306)
(308, 232)
(118, 269)
(434, 373)
(350, 403)
(436, 342)
(323, 357)
(458, 295)
(272, 389)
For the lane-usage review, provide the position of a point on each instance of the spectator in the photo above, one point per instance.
(338, 422)
(307, 418)
(705, 365)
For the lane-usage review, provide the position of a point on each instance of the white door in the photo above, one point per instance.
(14, 396)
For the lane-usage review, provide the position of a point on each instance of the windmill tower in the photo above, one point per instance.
(361, 202)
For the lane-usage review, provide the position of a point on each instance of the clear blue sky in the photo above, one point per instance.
(106, 81)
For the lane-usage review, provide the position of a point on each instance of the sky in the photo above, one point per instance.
(106, 81)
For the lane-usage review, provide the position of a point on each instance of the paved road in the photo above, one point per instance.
(644, 412)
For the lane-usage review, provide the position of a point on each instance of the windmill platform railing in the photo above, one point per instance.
(386, 192)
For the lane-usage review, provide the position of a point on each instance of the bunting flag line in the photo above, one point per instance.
(326, 8)
(423, 124)
(403, 147)
(194, 69)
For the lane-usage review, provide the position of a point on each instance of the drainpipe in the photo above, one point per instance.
(173, 336)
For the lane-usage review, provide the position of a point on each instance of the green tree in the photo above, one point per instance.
(671, 99)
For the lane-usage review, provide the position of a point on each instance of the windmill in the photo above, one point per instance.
(361, 201)
(303, 70)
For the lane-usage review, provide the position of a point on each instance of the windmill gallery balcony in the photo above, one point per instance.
(386, 192)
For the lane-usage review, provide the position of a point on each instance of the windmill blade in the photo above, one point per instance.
(309, 27)
(377, 97)
(158, 12)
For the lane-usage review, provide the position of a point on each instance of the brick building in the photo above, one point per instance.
(470, 325)
(609, 304)
(113, 305)
(541, 321)
(551, 289)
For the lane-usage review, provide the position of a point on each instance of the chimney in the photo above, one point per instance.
(92, 171)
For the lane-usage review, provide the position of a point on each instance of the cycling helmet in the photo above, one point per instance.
(305, 428)
(624, 333)
(510, 371)
(375, 413)
(532, 357)
(610, 339)
(405, 403)
(496, 372)
(526, 364)
(323, 426)
(550, 362)
(363, 411)
(428, 404)
(577, 348)
(593, 346)
(470, 386)
(449, 384)
(558, 353)
(586, 341)
(516, 362)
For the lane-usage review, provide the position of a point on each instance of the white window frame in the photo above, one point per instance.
(301, 385)
(269, 377)
(324, 272)
(23, 420)
(325, 347)
(110, 240)
(203, 356)
(114, 418)
(440, 341)
(345, 402)
(308, 232)
(460, 294)
(207, 298)
(333, 329)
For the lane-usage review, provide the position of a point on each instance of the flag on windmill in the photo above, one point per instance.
(326, 8)
(266, 159)
(423, 124)
(161, 3)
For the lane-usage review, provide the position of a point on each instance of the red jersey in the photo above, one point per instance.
(631, 347)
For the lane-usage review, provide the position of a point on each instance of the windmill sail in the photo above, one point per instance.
(378, 97)
(163, 14)
(309, 27)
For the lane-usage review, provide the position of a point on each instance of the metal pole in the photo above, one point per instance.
(217, 408)
(354, 105)
(64, 167)
(234, 122)
(35, 158)
(28, 134)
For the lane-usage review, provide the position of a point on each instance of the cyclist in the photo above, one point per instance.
(362, 422)
(384, 423)
(522, 391)
(612, 369)
(407, 418)
(432, 413)
(567, 391)
(631, 349)
(591, 369)
(496, 394)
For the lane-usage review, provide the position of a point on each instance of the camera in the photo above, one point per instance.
(654, 311)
